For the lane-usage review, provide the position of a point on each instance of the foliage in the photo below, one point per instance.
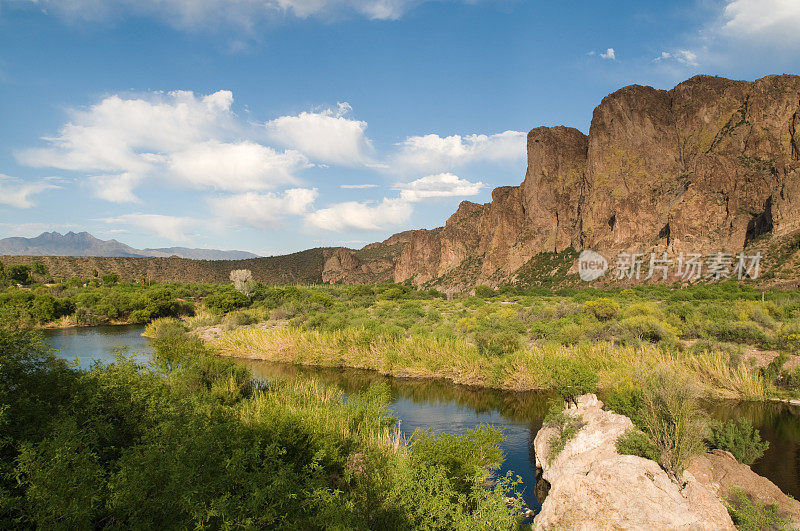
(749, 515)
(738, 437)
(198, 444)
(604, 308)
(673, 419)
(636, 442)
(566, 428)
(573, 378)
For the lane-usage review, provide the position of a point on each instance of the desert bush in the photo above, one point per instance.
(636, 442)
(746, 332)
(604, 309)
(788, 337)
(627, 401)
(738, 437)
(225, 301)
(673, 419)
(484, 292)
(749, 515)
(644, 328)
(163, 327)
(496, 343)
(572, 378)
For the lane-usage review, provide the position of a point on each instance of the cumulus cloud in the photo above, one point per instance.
(178, 138)
(216, 14)
(17, 193)
(773, 21)
(439, 185)
(235, 166)
(372, 216)
(170, 227)
(609, 54)
(431, 153)
(328, 136)
(263, 211)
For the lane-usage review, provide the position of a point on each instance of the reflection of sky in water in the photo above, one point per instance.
(98, 343)
(455, 409)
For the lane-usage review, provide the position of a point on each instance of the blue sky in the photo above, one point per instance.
(279, 125)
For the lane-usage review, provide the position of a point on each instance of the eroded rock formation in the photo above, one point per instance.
(594, 487)
(709, 166)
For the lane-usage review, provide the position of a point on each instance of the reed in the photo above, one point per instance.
(459, 361)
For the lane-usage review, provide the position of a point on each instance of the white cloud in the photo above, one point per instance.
(263, 211)
(17, 193)
(773, 21)
(440, 185)
(214, 14)
(170, 227)
(682, 56)
(357, 186)
(177, 138)
(235, 166)
(327, 136)
(609, 54)
(432, 153)
(361, 216)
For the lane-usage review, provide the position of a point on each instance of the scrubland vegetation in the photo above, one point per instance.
(731, 341)
(193, 441)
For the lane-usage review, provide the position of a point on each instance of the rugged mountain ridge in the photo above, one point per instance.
(712, 165)
(84, 244)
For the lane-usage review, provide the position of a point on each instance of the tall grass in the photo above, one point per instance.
(461, 362)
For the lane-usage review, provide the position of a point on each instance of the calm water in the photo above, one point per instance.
(449, 408)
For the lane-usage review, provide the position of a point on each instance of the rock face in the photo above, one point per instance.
(594, 487)
(719, 471)
(709, 166)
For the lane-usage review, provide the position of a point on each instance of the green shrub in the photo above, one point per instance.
(635, 442)
(604, 309)
(738, 437)
(627, 401)
(567, 427)
(226, 301)
(484, 292)
(572, 378)
(164, 327)
(672, 417)
(644, 328)
(496, 343)
(749, 515)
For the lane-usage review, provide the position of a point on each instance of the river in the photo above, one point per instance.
(445, 407)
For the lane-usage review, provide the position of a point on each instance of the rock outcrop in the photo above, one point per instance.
(719, 471)
(712, 165)
(594, 487)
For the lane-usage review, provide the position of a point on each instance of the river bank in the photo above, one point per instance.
(459, 361)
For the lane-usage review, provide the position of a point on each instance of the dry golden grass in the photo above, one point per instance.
(459, 361)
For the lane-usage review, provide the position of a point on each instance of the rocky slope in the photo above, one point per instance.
(712, 165)
(594, 487)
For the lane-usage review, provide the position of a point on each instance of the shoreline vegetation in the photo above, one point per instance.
(731, 339)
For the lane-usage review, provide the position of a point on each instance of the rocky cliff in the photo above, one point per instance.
(712, 165)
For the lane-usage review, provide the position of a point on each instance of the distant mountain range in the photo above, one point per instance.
(84, 244)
